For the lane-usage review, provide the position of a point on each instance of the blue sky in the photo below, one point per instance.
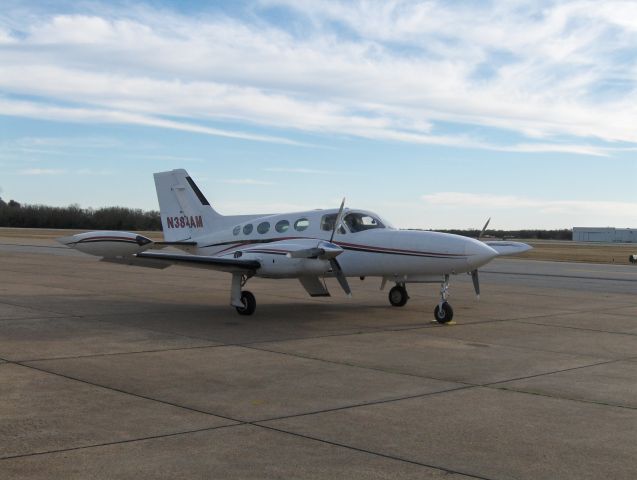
(435, 114)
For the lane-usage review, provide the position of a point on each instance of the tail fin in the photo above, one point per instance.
(185, 212)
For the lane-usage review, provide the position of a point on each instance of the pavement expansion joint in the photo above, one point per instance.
(378, 454)
(114, 354)
(580, 367)
(571, 327)
(106, 387)
(119, 442)
(363, 367)
(364, 404)
(558, 397)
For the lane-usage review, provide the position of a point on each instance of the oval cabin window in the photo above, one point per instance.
(301, 224)
(282, 226)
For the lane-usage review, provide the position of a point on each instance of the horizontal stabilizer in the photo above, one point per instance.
(509, 248)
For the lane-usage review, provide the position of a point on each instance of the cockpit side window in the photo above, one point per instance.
(358, 222)
(327, 223)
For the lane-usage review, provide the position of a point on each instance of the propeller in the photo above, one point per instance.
(474, 273)
(336, 267)
(484, 229)
(328, 251)
(342, 280)
(338, 220)
(476, 282)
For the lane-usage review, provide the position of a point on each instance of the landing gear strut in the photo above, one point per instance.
(398, 295)
(443, 311)
(243, 301)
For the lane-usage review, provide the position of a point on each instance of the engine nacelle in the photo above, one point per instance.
(108, 244)
(281, 266)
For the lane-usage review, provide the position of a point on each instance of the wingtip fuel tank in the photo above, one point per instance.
(107, 244)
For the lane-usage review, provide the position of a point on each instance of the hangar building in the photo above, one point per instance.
(609, 234)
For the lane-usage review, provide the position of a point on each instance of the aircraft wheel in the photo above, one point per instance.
(398, 296)
(249, 303)
(444, 314)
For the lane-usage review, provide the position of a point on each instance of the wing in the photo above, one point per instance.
(164, 260)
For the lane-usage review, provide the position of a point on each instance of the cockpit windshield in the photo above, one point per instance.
(357, 222)
(327, 223)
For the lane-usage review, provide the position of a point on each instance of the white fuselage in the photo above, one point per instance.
(379, 250)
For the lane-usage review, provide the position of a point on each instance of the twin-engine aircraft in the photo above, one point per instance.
(309, 246)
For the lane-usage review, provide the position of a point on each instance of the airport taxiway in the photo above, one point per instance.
(122, 372)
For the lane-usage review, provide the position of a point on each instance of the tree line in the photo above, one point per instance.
(564, 234)
(14, 214)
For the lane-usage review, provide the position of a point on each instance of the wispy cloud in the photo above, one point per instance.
(489, 202)
(35, 110)
(560, 76)
(41, 171)
(304, 171)
(245, 181)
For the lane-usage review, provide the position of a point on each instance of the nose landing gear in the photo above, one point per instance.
(443, 312)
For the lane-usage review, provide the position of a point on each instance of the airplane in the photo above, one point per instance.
(308, 246)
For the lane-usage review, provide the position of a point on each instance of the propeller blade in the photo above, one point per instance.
(338, 272)
(484, 229)
(476, 282)
(337, 221)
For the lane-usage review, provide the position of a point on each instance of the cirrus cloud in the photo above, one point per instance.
(558, 76)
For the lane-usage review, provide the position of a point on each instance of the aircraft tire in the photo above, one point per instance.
(444, 314)
(249, 302)
(398, 296)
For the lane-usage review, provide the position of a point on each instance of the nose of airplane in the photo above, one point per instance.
(478, 253)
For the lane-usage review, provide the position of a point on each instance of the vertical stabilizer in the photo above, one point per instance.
(185, 212)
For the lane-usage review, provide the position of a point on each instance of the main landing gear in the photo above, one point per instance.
(243, 301)
(249, 303)
(398, 295)
(443, 311)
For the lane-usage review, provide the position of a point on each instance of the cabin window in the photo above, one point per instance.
(264, 227)
(247, 230)
(301, 224)
(282, 226)
(358, 222)
(327, 223)
(236, 230)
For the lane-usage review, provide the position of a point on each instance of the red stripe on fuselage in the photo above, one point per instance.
(367, 248)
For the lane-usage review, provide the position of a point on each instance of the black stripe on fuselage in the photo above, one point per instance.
(98, 240)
